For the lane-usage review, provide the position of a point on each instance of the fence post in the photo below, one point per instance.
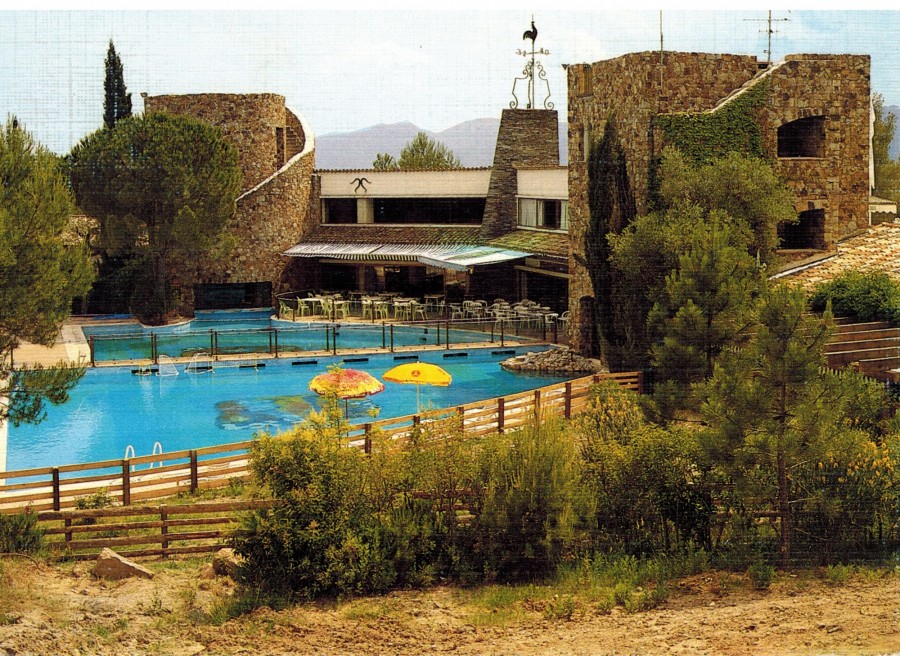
(215, 345)
(126, 483)
(537, 406)
(327, 338)
(568, 407)
(461, 413)
(270, 341)
(334, 339)
(438, 333)
(164, 516)
(276, 342)
(640, 382)
(383, 336)
(195, 475)
(447, 333)
(91, 347)
(501, 413)
(392, 338)
(154, 349)
(56, 499)
(502, 333)
(367, 445)
(212, 343)
(68, 524)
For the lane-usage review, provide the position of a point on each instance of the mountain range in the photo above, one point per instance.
(472, 142)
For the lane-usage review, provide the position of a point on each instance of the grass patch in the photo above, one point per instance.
(369, 609)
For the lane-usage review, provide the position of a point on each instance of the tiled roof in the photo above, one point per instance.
(364, 234)
(878, 249)
(554, 244)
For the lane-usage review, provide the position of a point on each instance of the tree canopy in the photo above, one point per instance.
(887, 170)
(420, 153)
(116, 102)
(40, 275)
(163, 188)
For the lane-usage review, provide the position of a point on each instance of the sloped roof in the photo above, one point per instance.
(877, 249)
(354, 233)
(553, 244)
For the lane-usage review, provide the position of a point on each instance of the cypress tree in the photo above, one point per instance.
(116, 103)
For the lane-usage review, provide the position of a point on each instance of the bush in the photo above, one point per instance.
(761, 575)
(872, 296)
(20, 533)
(526, 526)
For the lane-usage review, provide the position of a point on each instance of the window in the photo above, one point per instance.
(429, 211)
(546, 214)
(339, 210)
(804, 137)
(807, 233)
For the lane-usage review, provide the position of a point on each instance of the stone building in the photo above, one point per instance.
(808, 114)
(488, 232)
(277, 156)
(498, 232)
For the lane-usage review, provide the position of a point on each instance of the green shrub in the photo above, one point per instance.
(560, 607)
(761, 575)
(20, 533)
(527, 523)
(872, 296)
(97, 500)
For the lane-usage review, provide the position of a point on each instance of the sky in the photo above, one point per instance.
(350, 69)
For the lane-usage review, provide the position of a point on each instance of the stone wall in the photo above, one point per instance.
(636, 87)
(527, 137)
(273, 213)
(837, 88)
(249, 121)
(630, 89)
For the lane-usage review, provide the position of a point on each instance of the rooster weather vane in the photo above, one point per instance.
(532, 73)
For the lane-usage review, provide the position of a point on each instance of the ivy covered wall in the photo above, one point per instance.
(708, 135)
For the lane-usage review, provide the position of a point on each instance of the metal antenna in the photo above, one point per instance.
(660, 52)
(769, 32)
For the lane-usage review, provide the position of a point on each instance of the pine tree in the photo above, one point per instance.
(117, 103)
(769, 406)
(40, 275)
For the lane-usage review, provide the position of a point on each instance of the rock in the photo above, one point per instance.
(225, 562)
(554, 360)
(111, 565)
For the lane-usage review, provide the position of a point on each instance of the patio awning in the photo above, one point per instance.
(453, 257)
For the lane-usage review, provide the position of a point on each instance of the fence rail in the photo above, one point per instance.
(162, 530)
(165, 474)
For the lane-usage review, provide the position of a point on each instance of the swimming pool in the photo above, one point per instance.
(255, 331)
(112, 408)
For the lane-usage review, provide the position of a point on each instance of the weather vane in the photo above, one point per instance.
(532, 72)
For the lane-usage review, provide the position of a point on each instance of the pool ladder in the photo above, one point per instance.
(157, 451)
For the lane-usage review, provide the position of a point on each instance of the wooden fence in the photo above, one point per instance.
(157, 530)
(166, 474)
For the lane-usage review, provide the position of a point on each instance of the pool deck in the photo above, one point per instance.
(71, 347)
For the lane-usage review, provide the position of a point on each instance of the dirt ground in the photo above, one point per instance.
(50, 609)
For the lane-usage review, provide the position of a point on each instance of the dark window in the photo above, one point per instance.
(340, 210)
(804, 137)
(808, 232)
(435, 211)
(226, 296)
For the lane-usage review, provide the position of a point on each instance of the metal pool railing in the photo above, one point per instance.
(332, 337)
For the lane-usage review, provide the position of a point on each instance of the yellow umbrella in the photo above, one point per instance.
(346, 384)
(418, 373)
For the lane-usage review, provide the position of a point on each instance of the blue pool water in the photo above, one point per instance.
(248, 331)
(112, 408)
